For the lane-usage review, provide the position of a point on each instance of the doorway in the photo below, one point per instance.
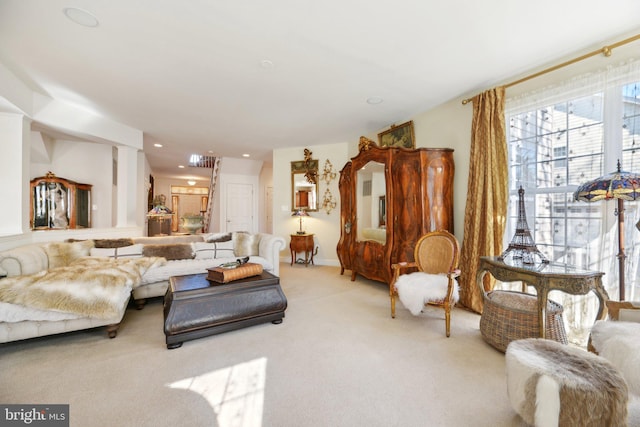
(187, 200)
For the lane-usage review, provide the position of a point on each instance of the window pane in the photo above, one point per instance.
(553, 150)
(631, 127)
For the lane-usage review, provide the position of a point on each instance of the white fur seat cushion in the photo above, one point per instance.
(417, 289)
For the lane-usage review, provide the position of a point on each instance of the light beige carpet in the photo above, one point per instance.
(338, 359)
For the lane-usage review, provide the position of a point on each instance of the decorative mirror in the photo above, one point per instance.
(304, 184)
(371, 203)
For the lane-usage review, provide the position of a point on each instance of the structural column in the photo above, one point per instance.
(126, 186)
(14, 173)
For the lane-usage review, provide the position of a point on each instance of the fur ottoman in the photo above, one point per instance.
(551, 384)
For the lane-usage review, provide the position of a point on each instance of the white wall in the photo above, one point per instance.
(14, 172)
(446, 126)
(87, 163)
(326, 227)
(449, 126)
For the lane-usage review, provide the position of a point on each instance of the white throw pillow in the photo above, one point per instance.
(224, 249)
(131, 251)
(214, 250)
(204, 250)
(103, 252)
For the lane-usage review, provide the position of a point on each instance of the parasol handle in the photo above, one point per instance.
(621, 254)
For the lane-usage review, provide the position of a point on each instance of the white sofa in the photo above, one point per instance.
(265, 250)
(198, 255)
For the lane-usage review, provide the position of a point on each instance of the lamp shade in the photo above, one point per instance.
(300, 212)
(616, 185)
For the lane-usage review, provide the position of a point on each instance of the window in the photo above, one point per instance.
(560, 139)
(552, 151)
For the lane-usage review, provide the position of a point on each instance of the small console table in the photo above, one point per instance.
(302, 243)
(545, 278)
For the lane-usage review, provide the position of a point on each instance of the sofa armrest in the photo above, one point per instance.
(269, 248)
(28, 259)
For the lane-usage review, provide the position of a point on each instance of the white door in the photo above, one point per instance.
(239, 207)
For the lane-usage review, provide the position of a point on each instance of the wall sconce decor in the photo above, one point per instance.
(328, 202)
(328, 174)
(312, 173)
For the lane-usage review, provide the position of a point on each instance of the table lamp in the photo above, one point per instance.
(300, 213)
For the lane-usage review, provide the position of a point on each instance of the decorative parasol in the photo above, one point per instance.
(619, 185)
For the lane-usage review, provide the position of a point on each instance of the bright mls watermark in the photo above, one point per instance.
(34, 415)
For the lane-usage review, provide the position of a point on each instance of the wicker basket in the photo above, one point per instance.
(509, 316)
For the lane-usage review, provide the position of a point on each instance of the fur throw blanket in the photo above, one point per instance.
(89, 286)
(417, 289)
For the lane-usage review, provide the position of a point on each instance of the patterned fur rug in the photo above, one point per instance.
(90, 286)
(554, 384)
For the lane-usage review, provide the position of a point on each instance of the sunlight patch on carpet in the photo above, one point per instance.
(236, 393)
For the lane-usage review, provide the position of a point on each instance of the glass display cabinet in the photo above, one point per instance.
(58, 203)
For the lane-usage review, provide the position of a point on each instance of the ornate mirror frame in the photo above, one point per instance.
(304, 193)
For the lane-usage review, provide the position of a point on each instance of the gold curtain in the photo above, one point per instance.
(487, 193)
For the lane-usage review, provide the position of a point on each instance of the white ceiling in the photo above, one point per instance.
(190, 73)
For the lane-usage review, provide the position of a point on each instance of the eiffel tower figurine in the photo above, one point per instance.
(522, 247)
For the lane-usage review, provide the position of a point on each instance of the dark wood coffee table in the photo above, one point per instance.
(195, 308)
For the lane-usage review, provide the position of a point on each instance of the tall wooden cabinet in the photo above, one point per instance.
(389, 198)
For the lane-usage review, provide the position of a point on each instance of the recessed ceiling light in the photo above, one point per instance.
(245, 155)
(181, 166)
(191, 182)
(375, 100)
(157, 145)
(265, 63)
(80, 16)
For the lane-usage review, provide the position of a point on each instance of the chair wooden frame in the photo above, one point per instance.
(437, 252)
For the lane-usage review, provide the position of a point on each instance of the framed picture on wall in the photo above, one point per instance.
(398, 136)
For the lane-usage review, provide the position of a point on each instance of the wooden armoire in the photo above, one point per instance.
(390, 197)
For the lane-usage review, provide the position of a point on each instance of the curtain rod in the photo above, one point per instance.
(606, 51)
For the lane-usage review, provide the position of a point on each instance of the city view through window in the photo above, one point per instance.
(554, 149)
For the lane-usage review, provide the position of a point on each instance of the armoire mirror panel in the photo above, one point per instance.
(371, 186)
